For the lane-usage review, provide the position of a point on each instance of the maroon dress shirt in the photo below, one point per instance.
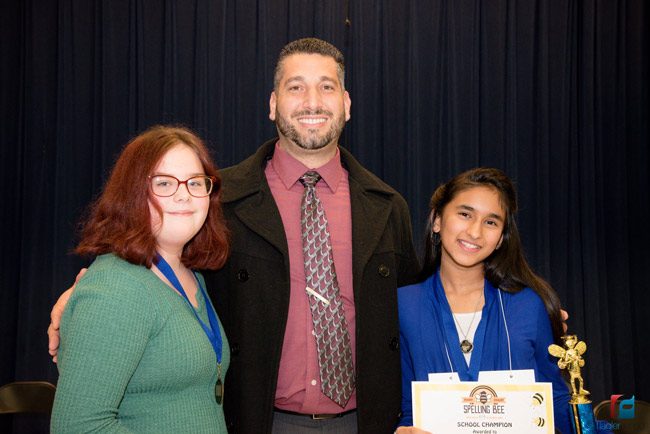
(299, 387)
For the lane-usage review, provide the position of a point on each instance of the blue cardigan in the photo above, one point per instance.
(426, 324)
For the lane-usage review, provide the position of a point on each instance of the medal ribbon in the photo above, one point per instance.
(212, 331)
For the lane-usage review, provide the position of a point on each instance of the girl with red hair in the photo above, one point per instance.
(142, 349)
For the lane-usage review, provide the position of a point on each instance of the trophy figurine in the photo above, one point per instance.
(570, 358)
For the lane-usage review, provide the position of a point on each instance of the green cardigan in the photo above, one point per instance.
(133, 357)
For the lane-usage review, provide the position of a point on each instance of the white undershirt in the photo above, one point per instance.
(464, 320)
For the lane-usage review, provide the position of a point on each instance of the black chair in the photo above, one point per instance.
(27, 397)
(639, 424)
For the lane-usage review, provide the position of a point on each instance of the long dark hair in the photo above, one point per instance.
(506, 267)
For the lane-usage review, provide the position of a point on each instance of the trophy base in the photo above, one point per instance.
(583, 418)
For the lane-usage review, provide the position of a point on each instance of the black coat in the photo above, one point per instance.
(251, 293)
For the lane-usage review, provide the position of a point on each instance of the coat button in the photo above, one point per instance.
(383, 270)
(242, 275)
(234, 349)
(394, 344)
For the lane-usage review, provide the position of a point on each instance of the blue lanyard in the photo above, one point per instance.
(213, 332)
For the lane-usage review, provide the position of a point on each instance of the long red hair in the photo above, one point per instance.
(119, 220)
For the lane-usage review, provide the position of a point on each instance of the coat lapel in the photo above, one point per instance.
(261, 216)
(247, 193)
(370, 203)
(369, 217)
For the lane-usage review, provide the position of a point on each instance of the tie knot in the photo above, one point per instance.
(309, 179)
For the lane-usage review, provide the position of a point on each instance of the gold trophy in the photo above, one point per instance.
(570, 358)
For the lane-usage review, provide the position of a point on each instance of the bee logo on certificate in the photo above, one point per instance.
(484, 408)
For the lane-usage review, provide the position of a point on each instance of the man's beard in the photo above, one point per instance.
(310, 141)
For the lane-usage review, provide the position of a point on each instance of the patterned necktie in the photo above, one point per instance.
(330, 327)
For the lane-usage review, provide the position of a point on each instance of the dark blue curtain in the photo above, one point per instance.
(555, 92)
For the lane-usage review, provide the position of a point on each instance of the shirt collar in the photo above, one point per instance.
(290, 170)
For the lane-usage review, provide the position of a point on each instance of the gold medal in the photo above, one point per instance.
(218, 388)
(218, 391)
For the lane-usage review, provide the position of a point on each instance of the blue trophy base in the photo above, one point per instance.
(583, 419)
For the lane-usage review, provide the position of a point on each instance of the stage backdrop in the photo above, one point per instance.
(553, 92)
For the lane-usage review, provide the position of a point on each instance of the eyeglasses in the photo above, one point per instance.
(167, 185)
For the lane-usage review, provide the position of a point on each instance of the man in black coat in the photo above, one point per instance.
(252, 292)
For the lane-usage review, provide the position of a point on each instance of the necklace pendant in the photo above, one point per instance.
(466, 346)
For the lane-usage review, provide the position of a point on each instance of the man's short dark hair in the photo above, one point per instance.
(310, 46)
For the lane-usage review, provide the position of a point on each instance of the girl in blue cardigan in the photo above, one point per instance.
(478, 306)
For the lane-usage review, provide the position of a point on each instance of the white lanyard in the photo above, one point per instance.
(505, 323)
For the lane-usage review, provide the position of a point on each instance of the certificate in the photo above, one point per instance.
(479, 408)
